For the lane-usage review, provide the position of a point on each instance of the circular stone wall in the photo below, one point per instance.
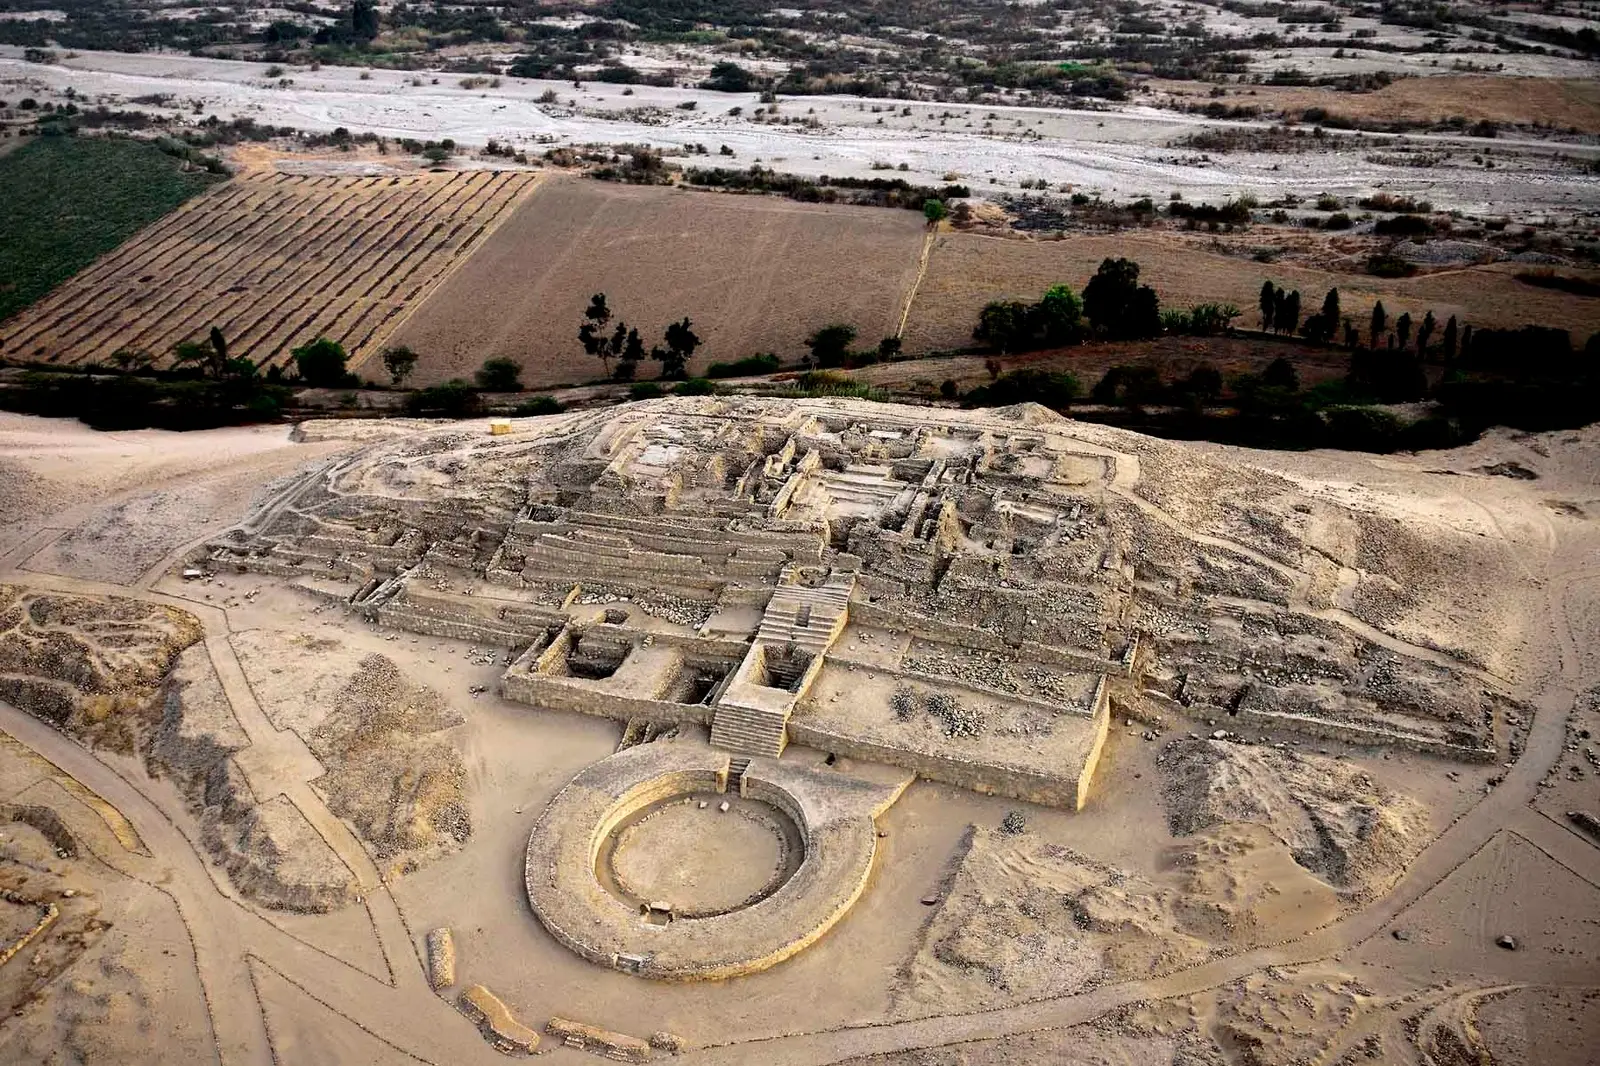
(698, 859)
(743, 889)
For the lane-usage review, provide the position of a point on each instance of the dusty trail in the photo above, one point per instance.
(225, 932)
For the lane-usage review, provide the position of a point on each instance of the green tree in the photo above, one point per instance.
(1204, 384)
(453, 399)
(399, 361)
(542, 404)
(830, 345)
(934, 210)
(728, 77)
(889, 349)
(1026, 386)
(187, 355)
(1402, 330)
(593, 335)
(219, 350)
(1006, 324)
(1380, 322)
(1061, 315)
(364, 19)
(1319, 328)
(1269, 303)
(1281, 374)
(1286, 312)
(322, 363)
(132, 360)
(1330, 309)
(1448, 343)
(499, 375)
(1425, 334)
(630, 356)
(681, 344)
(1117, 305)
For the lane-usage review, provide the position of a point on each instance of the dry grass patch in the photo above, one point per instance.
(966, 271)
(755, 274)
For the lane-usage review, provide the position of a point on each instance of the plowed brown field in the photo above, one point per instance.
(966, 271)
(275, 261)
(754, 273)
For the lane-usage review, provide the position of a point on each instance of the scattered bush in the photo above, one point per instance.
(499, 375)
(750, 366)
(1549, 279)
(453, 399)
(322, 364)
(1029, 385)
(1387, 265)
(542, 404)
(1383, 201)
(1402, 226)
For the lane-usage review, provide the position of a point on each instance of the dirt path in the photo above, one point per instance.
(227, 933)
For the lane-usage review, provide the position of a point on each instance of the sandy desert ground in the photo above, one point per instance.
(1210, 937)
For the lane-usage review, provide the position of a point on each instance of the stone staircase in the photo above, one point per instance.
(810, 618)
(749, 730)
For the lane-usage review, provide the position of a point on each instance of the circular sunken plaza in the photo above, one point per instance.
(647, 861)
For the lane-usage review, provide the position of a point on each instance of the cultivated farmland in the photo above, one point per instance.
(966, 271)
(275, 261)
(753, 273)
(65, 201)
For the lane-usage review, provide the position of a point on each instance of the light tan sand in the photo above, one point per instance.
(351, 987)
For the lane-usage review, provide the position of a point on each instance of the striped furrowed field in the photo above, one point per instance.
(275, 261)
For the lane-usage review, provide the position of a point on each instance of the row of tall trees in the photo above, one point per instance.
(1280, 313)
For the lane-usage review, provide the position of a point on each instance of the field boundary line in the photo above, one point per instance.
(916, 283)
(467, 251)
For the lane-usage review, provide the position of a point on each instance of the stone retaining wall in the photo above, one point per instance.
(1067, 789)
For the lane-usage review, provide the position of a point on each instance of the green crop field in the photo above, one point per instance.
(66, 201)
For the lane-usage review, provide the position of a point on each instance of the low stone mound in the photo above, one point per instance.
(500, 1027)
(1023, 919)
(1447, 253)
(273, 855)
(1337, 821)
(388, 773)
(91, 666)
